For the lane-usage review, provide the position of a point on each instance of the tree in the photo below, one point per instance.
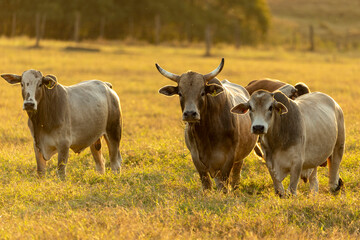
(210, 21)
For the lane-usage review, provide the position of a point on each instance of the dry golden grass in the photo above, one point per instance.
(336, 23)
(158, 194)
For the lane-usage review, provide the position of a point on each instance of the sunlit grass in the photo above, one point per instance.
(158, 194)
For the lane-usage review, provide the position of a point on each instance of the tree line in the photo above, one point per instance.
(231, 21)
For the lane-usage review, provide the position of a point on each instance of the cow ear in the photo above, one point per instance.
(241, 108)
(11, 78)
(280, 108)
(49, 81)
(169, 90)
(213, 89)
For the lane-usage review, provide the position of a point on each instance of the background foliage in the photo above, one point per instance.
(120, 19)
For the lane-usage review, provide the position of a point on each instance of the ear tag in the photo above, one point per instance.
(50, 86)
(214, 93)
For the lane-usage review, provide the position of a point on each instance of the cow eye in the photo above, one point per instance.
(250, 108)
(180, 95)
(202, 94)
(22, 85)
(270, 108)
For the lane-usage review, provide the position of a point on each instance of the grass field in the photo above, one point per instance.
(158, 194)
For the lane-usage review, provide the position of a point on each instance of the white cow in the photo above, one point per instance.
(75, 117)
(297, 136)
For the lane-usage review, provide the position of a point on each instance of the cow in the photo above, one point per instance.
(64, 117)
(297, 135)
(217, 140)
(271, 85)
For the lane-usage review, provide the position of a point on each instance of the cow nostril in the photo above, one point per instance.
(190, 115)
(29, 105)
(258, 128)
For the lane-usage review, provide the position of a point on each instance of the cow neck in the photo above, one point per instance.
(49, 114)
(196, 141)
(214, 118)
(286, 128)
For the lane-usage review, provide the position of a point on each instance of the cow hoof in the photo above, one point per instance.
(339, 187)
(224, 190)
(41, 174)
(206, 192)
(61, 176)
(282, 195)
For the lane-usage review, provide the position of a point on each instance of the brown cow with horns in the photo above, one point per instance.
(217, 139)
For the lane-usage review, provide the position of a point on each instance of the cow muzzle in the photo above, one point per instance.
(191, 116)
(29, 106)
(258, 129)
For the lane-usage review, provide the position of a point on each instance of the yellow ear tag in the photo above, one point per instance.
(214, 93)
(49, 86)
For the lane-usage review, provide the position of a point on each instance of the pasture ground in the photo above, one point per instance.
(158, 194)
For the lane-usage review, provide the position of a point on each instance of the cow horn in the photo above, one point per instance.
(167, 74)
(213, 74)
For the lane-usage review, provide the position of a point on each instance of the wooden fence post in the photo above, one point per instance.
(311, 38)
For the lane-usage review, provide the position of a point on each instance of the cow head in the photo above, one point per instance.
(32, 82)
(262, 107)
(193, 89)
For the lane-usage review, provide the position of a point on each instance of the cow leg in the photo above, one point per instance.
(335, 182)
(278, 187)
(226, 171)
(314, 182)
(40, 161)
(221, 183)
(98, 157)
(295, 173)
(63, 155)
(114, 153)
(276, 177)
(235, 174)
(205, 180)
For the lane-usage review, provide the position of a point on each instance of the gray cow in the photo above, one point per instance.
(76, 117)
(297, 135)
(218, 140)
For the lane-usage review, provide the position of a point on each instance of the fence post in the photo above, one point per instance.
(77, 26)
(311, 38)
(157, 29)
